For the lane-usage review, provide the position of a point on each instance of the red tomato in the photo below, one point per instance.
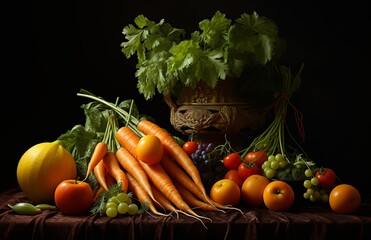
(258, 157)
(232, 160)
(234, 176)
(326, 177)
(246, 170)
(73, 197)
(190, 147)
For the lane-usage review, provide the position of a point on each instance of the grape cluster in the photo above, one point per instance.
(120, 204)
(273, 164)
(314, 193)
(208, 163)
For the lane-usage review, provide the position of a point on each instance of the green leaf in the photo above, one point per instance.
(141, 21)
(214, 31)
(150, 37)
(134, 44)
(80, 142)
(253, 39)
(153, 76)
(168, 61)
(192, 64)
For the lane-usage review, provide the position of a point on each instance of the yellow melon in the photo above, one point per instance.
(42, 167)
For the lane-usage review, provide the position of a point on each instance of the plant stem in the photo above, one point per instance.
(131, 121)
(272, 140)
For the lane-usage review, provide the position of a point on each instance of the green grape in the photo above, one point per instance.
(312, 198)
(271, 158)
(314, 181)
(310, 191)
(265, 170)
(279, 157)
(324, 197)
(122, 197)
(300, 166)
(111, 205)
(282, 163)
(123, 208)
(270, 173)
(133, 209)
(129, 201)
(317, 194)
(265, 164)
(307, 184)
(275, 165)
(308, 172)
(113, 199)
(306, 195)
(111, 212)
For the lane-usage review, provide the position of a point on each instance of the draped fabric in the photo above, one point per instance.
(302, 221)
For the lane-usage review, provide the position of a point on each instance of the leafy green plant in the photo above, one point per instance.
(169, 59)
(81, 140)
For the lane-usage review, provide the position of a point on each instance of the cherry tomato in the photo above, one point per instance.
(232, 160)
(245, 170)
(326, 177)
(258, 157)
(234, 176)
(190, 147)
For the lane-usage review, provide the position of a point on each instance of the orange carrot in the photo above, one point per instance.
(163, 182)
(100, 151)
(109, 179)
(128, 139)
(100, 174)
(114, 169)
(132, 166)
(174, 150)
(98, 193)
(163, 202)
(192, 200)
(155, 172)
(142, 195)
(176, 173)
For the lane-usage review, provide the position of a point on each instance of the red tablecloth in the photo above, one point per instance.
(309, 221)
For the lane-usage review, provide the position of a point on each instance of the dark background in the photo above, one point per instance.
(54, 48)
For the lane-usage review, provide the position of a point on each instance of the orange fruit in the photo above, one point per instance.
(344, 198)
(149, 149)
(278, 196)
(225, 192)
(252, 190)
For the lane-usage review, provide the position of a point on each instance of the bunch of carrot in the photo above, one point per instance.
(103, 162)
(174, 184)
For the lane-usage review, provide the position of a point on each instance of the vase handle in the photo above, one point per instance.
(169, 101)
